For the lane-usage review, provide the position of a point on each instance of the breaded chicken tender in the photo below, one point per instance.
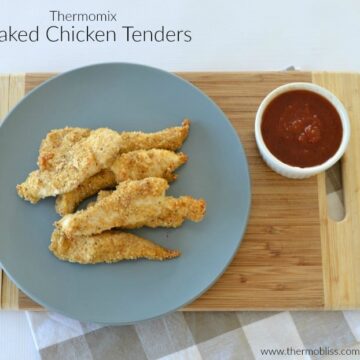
(84, 159)
(109, 247)
(134, 165)
(168, 139)
(132, 205)
(101, 195)
(57, 144)
(140, 164)
(68, 202)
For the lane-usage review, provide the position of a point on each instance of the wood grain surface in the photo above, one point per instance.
(279, 264)
(341, 240)
(16, 90)
(4, 108)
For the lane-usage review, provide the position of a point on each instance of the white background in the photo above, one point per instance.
(227, 35)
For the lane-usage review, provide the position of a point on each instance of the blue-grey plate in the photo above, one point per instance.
(123, 97)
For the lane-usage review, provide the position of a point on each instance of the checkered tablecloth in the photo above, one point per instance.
(209, 335)
(201, 335)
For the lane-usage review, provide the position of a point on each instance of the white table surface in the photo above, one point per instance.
(227, 35)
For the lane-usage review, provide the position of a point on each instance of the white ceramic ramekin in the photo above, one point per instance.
(293, 171)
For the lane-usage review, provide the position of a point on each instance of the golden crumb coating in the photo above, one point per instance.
(134, 165)
(103, 194)
(68, 156)
(109, 247)
(132, 205)
(68, 202)
(140, 164)
(86, 158)
(57, 144)
(168, 139)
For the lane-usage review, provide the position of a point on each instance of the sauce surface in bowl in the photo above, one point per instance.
(301, 128)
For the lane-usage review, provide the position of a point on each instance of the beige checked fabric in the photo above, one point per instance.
(209, 335)
(202, 335)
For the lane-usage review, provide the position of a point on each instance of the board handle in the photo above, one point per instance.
(340, 240)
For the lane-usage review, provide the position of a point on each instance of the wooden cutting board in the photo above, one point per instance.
(293, 256)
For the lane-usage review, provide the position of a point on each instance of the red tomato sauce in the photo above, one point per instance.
(301, 128)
